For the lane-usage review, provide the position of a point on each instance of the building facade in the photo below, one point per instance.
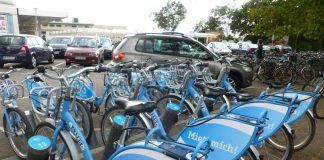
(8, 18)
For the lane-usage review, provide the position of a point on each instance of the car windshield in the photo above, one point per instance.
(11, 40)
(234, 45)
(105, 41)
(84, 42)
(60, 41)
(221, 45)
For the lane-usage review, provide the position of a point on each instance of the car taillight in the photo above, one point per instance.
(24, 49)
(119, 56)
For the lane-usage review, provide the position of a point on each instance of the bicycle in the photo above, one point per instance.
(15, 123)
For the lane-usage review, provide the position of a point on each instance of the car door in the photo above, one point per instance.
(45, 51)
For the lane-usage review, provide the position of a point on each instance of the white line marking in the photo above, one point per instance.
(59, 64)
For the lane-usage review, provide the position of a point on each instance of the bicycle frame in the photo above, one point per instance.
(68, 123)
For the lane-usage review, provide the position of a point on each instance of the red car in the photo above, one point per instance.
(84, 50)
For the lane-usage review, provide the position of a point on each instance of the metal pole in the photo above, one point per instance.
(36, 22)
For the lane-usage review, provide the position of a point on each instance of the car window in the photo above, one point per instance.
(60, 41)
(31, 41)
(144, 45)
(11, 40)
(40, 41)
(84, 42)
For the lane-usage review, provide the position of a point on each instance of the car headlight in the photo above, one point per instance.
(68, 54)
(92, 54)
(247, 68)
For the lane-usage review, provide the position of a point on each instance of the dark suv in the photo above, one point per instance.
(26, 49)
(173, 45)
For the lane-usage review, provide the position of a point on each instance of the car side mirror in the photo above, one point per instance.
(46, 44)
(68, 45)
(100, 45)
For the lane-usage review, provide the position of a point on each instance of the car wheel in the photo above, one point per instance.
(1, 65)
(234, 80)
(32, 62)
(51, 59)
(67, 63)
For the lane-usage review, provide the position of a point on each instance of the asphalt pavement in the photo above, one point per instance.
(315, 151)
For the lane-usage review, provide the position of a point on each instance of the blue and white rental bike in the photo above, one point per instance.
(231, 139)
(15, 123)
(43, 108)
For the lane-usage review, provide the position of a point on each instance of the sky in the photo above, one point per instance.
(136, 15)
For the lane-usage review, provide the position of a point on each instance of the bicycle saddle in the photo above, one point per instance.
(243, 97)
(135, 107)
(209, 91)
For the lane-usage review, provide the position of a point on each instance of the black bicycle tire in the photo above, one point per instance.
(71, 148)
(28, 130)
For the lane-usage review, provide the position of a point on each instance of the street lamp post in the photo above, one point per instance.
(36, 22)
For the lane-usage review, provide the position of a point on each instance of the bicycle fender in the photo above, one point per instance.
(255, 152)
(186, 101)
(287, 126)
(68, 139)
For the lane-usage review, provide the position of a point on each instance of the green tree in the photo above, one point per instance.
(293, 18)
(212, 24)
(169, 17)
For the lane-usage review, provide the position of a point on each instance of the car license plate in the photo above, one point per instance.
(80, 58)
(56, 52)
(8, 58)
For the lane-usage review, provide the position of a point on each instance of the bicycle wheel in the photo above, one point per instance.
(278, 147)
(64, 150)
(249, 155)
(307, 73)
(22, 131)
(183, 116)
(82, 116)
(304, 131)
(154, 93)
(133, 135)
(283, 74)
(317, 109)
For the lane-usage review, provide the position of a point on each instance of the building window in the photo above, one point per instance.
(86, 26)
(73, 25)
(58, 25)
(52, 25)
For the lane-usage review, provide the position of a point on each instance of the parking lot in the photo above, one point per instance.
(315, 151)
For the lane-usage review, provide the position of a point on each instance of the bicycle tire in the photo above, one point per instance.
(283, 74)
(317, 110)
(310, 135)
(86, 119)
(70, 147)
(28, 132)
(107, 124)
(288, 150)
(183, 117)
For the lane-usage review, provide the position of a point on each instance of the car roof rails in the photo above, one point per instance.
(164, 33)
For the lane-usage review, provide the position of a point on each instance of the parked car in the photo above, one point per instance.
(59, 44)
(165, 46)
(84, 50)
(249, 47)
(281, 49)
(219, 47)
(107, 47)
(234, 47)
(26, 49)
